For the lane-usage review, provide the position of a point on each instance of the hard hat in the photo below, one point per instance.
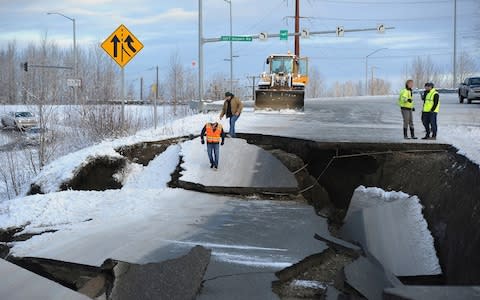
(212, 119)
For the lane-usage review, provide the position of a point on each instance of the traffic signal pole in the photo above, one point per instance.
(297, 28)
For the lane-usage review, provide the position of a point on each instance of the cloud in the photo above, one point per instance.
(172, 15)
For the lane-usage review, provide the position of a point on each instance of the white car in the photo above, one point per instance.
(21, 120)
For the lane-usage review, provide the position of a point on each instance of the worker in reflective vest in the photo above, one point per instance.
(215, 137)
(405, 101)
(431, 107)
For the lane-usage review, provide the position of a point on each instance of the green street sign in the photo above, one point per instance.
(235, 38)
(283, 35)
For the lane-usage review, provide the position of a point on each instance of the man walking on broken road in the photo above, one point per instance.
(232, 108)
(215, 137)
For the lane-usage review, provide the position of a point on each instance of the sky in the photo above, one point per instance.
(422, 28)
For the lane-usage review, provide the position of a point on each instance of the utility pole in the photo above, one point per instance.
(122, 116)
(141, 88)
(366, 67)
(75, 69)
(454, 44)
(155, 115)
(373, 82)
(200, 52)
(231, 46)
(297, 28)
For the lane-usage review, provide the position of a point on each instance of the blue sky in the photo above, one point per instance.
(423, 27)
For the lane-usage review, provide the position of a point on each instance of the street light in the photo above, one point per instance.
(231, 45)
(74, 48)
(366, 67)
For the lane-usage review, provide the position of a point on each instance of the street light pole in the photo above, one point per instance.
(200, 53)
(454, 43)
(231, 46)
(75, 70)
(366, 68)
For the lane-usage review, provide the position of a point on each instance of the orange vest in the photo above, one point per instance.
(213, 136)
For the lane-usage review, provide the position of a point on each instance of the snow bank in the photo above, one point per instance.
(465, 138)
(157, 173)
(63, 169)
(391, 226)
(364, 197)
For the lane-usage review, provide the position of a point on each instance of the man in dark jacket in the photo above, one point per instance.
(232, 108)
(431, 107)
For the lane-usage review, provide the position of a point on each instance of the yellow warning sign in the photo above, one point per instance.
(122, 45)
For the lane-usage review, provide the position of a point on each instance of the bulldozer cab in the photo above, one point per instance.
(283, 85)
(281, 64)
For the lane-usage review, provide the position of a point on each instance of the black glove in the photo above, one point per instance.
(222, 143)
(203, 142)
(413, 108)
(409, 100)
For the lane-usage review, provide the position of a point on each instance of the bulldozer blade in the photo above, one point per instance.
(279, 100)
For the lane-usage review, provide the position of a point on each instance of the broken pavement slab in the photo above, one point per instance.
(432, 292)
(393, 231)
(179, 278)
(369, 278)
(243, 169)
(21, 284)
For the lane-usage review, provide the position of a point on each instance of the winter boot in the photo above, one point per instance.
(405, 135)
(412, 133)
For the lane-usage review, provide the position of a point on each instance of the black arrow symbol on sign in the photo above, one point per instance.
(115, 41)
(129, 42)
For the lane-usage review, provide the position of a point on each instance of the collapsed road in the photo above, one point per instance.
(262, 238)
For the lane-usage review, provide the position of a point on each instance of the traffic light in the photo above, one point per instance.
(25, 66)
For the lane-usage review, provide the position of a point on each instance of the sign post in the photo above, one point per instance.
(122, 46)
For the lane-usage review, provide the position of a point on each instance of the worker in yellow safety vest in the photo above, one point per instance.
(431, 107)
(213, 131)
(405, 101)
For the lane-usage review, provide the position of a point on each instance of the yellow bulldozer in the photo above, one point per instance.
(282, 87)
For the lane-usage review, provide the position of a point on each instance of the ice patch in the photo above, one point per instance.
(227, 246)
(252, 261)
(309, 284)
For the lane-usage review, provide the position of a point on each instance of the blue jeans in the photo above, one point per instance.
(233, 120)
(213, 151)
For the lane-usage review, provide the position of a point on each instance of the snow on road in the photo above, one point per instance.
(240, 165)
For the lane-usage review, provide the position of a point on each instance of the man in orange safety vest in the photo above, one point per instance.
(215, 137)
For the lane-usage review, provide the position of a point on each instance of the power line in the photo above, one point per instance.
(418, 19)
(377, 57)
(385, 3)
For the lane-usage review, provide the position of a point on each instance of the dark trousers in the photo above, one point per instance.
(429, 120)
(213, 150)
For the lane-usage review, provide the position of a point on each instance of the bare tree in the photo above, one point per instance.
(380, 87)
(316, 85)
(466, 66)
(345, 89)
(425, 70)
